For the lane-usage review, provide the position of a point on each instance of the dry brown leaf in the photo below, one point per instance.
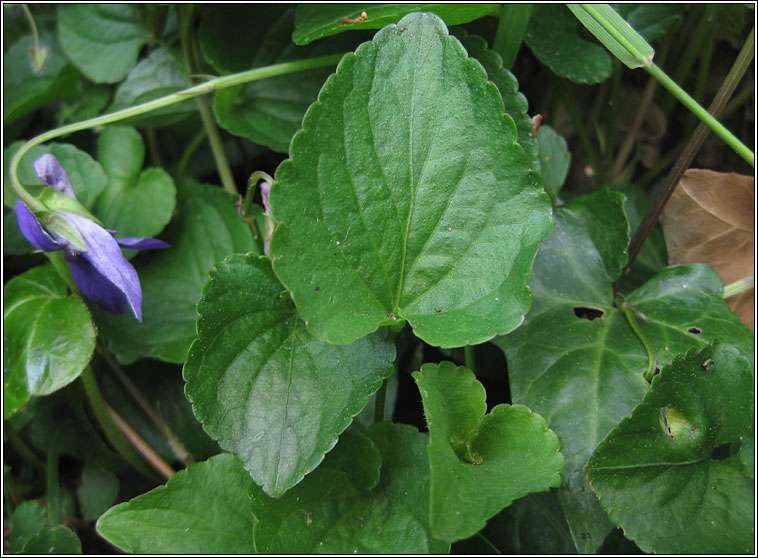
(710, 218)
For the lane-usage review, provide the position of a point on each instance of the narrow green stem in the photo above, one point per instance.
(739, 286)
(33, 25)
(489, 543)
(23, 450)
(576, 120)
(64, 270)
(631, 136)
(470, 357)
(514, 19)
(702, 22)
(746, 94)
(381, 397)
(187, 155)
(217, 146)
(613, 106)
(201, 89)
(630, 311)
(10, 492)
(730, 139)
(152, 144)
(704, 69)
(53, 487)
(186, 13)
(117, 440)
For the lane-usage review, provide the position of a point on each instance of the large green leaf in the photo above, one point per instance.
(369, 496)
(203, 509)
(86, 175)
(263, 387)
(24, 89)
(205, 230)
(48, 337)
(479, 464)
(515, 102)
(156, 76)
(406, 197)
(659, 473)
(577, 361)
(553, 36)
(103, 40)
(267, 111)
(136, 203)
(316, 21)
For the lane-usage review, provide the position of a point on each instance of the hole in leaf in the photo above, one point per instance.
(588, 313)
(721, 452)
(694, 330)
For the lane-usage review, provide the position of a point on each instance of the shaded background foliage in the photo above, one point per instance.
(154, 172)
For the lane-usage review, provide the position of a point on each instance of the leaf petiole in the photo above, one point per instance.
(630, 311)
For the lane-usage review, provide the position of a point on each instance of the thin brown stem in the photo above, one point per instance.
(179, 450)
(140, 445)
(631, 136)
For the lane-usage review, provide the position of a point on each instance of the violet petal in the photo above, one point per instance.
(265, 191)
(33, 231)
(95, 286)
(141, 243)
(104, 254)
(51, 173)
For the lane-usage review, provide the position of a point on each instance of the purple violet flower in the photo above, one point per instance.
(101, 271)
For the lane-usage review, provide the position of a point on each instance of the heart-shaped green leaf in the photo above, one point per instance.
(103, 40)
(136, 203)
(86, 175)
(262, 386)
(351, 506)
(590, 364)
(553, 36)
(407, 197)
(203, 509)
(317, 21)
(48, 337)
(480, 463)
(670, 459)
(206, 230)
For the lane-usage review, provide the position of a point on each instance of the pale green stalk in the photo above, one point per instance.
(646, 61)
(202, 89)
(739, 286)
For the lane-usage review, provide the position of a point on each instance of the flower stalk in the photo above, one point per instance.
(209, 86)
